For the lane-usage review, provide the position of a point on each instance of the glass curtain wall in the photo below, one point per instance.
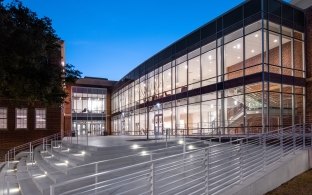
(208, 90)
(89, 110)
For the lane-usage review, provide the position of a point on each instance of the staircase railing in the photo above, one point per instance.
(29, 147)
(208, 170)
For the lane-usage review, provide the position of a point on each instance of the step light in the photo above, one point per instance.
(191, 147)
(135, 146)
(144, 153)
(14, 190)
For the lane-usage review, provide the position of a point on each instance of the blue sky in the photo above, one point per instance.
(108, 38)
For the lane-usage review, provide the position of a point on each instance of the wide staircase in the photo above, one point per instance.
(181, 166)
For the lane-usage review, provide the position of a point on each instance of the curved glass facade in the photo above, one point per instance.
(241, 73)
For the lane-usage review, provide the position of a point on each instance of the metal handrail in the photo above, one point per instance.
(298, 134)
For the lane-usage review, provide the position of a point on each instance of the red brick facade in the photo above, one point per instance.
(11, 136)
(308, 53)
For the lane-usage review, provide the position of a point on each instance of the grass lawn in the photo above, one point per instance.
(300, 185)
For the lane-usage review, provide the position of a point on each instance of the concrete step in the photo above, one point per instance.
(28, 187)
(41, 180)
(53, 173)
(73, 160)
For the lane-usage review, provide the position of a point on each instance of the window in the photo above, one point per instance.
(41, 118)
(3, 118)
(21, 118)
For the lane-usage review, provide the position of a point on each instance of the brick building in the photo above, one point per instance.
(21, 123)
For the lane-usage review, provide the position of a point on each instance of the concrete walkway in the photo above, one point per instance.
(109, 141)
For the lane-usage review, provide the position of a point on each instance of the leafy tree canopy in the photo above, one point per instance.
(30, 62)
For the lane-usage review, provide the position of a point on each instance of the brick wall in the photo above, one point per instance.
(11, 136)
(308, 45)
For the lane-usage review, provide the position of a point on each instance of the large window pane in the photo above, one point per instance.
(274, 50)
(253, 53)
(209, 67)
(233, 59)
(181, 77)
(287, 56)
(167, 82)
(194, 72)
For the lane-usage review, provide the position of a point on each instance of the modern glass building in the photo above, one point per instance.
(88, 107)
(242, 73)
(89, 110)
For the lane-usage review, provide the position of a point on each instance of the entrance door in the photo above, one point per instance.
(158, 125)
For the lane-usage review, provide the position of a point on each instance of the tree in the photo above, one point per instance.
(30, 63)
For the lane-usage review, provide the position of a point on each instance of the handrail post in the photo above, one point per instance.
(8, 188)
(240, 161)
(30, 152)
(280, 133)
(207, 170)
(303, 137)
(8, 156)
(96, 177)
(294, 141)
(43, 144)
(152, 182)
(264, 150)
(52, 190)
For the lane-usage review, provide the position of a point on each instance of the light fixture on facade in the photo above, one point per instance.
(210, 57)
(211, 106)
(180, 142)
(252, 51)
(256, 35)
(83, 153)
(238, 57)
(275, 41)
(191, 147)
(158, 105)
(235, 102)
(144, 153)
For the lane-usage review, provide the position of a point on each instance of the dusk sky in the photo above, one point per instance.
(108, 38)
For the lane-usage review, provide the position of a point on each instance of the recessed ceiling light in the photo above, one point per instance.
(252, 51)
(256, 35)
(275, 41)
